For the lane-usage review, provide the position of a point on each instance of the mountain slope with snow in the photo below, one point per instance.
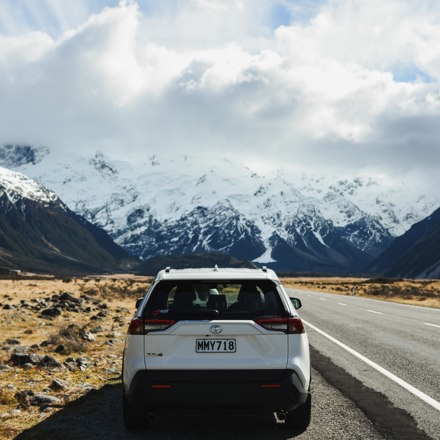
(39, 233)
(415, 254)
(169, 205)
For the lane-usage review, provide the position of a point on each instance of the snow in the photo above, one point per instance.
(319, 238)
(107, 191)
(16, 185)
(265, 257)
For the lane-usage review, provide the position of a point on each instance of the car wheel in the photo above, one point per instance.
(300, 417)
(134, 420)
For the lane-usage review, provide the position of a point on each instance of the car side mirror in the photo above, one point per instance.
(296, 303)
(138, 302)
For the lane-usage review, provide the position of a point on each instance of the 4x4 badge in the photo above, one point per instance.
(216, 329)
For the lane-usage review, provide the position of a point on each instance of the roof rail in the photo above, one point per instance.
(264, 269)
(215, 268)
(167, 269)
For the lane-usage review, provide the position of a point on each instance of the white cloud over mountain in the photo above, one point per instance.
(350, 86)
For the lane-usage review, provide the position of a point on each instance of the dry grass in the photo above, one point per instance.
(113, 297)
(418, 292)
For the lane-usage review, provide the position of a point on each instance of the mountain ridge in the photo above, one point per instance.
(157, 206)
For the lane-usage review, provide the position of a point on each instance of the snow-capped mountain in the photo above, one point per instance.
(16, 186)
(38, 232)
(415, 254)
(155, 205)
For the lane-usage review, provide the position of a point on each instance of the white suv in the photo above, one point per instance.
(216, 339)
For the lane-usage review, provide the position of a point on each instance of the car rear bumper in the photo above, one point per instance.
(197, 390)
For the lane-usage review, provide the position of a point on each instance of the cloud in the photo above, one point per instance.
(331, 85)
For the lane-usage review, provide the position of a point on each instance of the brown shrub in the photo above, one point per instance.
(71, 339)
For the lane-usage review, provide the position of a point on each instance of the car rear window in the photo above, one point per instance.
(221, 300)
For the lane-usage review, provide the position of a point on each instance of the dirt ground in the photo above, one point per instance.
(62, 339)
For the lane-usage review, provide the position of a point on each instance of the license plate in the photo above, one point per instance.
(215, 346)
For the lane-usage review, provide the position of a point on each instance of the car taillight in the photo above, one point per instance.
(286, 325)
(139, 326)
(295, 325)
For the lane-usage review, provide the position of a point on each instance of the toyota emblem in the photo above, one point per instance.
(216, 329)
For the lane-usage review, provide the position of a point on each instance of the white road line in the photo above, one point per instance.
(374, 311)
(429, 400)
(432, 325)
(431, 309)
(342, 304)
(322, 299)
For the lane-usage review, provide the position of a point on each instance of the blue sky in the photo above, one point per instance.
(344, 86)
(57, 16)
(48, 16)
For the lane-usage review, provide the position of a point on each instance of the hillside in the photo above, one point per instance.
(39, 233)
(415, 254)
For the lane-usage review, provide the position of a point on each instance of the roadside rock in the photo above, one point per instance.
(82, 363)
(27, 398)
(24, 398)
(58, 384)
(9, 307)
(98, 329)
(50, 313)
(66, 296)
(4, 367)
(12, 341)
(61, 349)
(21, 349)
(42, 399)
(50, 362)
(21, 359)
(88, 336)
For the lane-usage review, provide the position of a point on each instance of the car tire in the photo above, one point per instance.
(134, 420)
(300, 417)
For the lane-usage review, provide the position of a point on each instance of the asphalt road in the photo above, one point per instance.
(98, 415)
(402, 340)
